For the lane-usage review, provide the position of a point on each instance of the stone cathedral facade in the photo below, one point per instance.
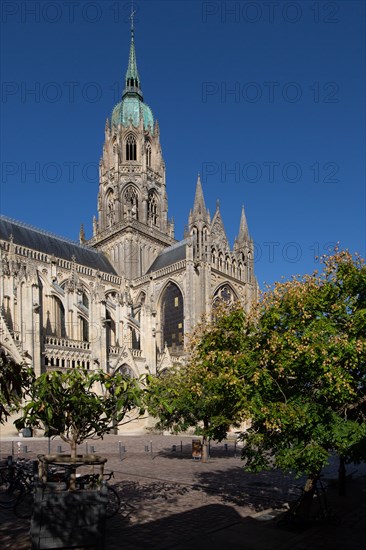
(127, 298)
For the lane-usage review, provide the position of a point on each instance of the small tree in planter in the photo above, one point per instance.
(75, 405)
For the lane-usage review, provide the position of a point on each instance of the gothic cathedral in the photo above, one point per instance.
(126, 299)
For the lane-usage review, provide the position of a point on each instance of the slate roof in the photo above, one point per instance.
(169, 256)
(42, 241)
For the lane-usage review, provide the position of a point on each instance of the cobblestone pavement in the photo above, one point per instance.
(171, 501)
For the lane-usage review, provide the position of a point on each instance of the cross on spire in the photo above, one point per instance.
(132, 16)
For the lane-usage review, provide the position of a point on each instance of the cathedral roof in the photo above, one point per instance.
(42, 241)
(169, 256)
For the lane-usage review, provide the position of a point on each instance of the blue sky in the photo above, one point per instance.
(265, 99)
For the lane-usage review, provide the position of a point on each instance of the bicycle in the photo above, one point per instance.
(319, 511)
(15, 479)
(92, 481)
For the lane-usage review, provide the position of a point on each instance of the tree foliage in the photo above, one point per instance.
(77, 404)
(206, 393)
(14, 380)
(308, 384)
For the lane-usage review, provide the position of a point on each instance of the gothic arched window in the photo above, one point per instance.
(224, 294)
(59, 318)
(148, 154)
(131, 203)
(126, 370)
(196, 243)
(110, 209)
(172, 318)
(130, 147)
(213, 257)
(110, 327)
(152, 208)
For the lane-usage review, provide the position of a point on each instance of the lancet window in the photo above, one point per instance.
(131, 147)
(152, 209)
(148, 154)
(131, 203)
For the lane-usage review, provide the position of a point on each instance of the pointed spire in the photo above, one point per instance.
(199, 206)
(132, 75)
(218, 232)
(243, 228)
(82, 238)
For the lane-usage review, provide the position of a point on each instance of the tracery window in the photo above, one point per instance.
(131, 203)
(130, 147)
(172, 318)
(224, 294)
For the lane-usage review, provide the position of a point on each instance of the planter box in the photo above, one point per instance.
(65, 518)
(68, 519)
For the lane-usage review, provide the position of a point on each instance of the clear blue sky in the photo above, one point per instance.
(265, 99)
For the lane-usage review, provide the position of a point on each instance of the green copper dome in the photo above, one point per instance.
(129, 110)
(132, 107)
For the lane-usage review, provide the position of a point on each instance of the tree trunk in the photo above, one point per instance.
(304, 509)
(73, 470)
(341, 477)
(73, 449)
(204, 449)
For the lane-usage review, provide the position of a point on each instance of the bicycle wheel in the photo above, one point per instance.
(10, 492)
(113, 504)
(23, 507)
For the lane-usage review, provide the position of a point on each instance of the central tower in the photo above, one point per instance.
(132, 226)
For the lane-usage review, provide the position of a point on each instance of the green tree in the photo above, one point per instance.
(14, 381)
(206, 393)
(308, 384)
(77, 404)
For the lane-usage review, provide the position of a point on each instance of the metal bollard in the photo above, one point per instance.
(59, 449)
(122, 449)
(25, 449)
(146, 448)
(92, 449)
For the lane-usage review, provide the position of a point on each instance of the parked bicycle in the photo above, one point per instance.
(16, 478)
(92, 481)
(319, 511)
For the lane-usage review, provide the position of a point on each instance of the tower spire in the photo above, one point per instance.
(199, 206)
(243, 228)
(132, 81)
